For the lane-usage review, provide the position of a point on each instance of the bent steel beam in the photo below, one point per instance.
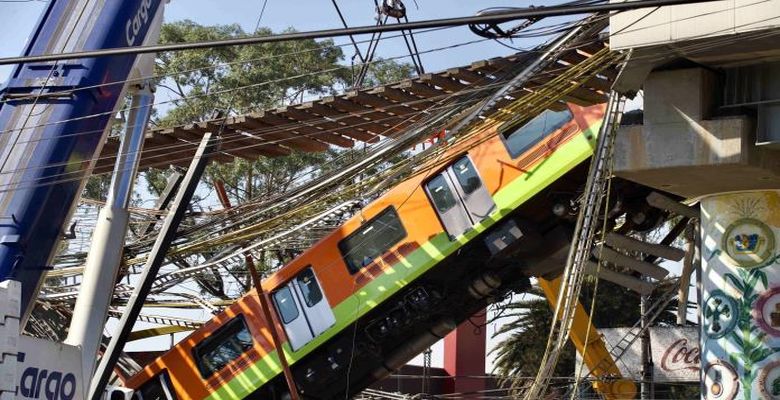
(153, 263)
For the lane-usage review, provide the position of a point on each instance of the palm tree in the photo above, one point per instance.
(530, 318)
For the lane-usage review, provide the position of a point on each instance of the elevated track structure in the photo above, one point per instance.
(366, 317)
(381, 266)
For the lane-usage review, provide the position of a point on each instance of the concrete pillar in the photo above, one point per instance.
(464, 356)
(740, 304)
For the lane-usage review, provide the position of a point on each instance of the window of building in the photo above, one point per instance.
(226, 344)
(518, 140)
(310, 290)
(285, 303)
(440, 193)
(372, 240)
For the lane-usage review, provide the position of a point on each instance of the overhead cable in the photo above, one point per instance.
(539, 12)
(252, 85)
(687, 48)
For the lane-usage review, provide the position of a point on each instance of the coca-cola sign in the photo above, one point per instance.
(681, 355)
(675, 353)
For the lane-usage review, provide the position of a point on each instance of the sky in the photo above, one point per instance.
(18, 19)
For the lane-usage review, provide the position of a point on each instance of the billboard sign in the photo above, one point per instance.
(48, 370)
(675, 353)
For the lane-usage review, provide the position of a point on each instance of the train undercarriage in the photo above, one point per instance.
(458, 287)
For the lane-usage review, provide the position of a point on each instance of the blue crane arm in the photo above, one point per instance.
(53, 121)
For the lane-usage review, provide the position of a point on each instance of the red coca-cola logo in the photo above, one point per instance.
(680, 357)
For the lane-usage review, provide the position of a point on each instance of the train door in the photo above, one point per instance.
(303, 309)
(316, 308)
(459, 197)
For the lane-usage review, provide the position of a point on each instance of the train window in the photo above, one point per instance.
(285, 303)
(310, 290)
(523, 138)
(224, 346)
(372, 240)
(466, 175)
(156, 388)
(152, 390)
(440, 193)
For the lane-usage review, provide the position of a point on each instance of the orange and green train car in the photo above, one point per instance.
(400, 274)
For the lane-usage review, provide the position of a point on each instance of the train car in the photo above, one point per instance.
(399, 275)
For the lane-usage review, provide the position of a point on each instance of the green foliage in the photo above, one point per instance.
(383, 71)
(156, 180)
(97, 187)
(243, 79)
(264, 177)
(521, 353)
(748, 337)
(268, 74)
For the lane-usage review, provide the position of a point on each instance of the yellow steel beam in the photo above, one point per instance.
(158, 331)
(591, 347)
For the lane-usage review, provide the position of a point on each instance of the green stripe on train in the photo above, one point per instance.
(418, 262)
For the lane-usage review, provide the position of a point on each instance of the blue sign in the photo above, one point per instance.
(44, 384)
(48, 142)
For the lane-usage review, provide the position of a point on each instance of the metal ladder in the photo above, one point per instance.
(579, 253)
(637, 330)
(654, 310)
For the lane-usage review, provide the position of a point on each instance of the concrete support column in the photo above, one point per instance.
(740, 304)
(464, 356)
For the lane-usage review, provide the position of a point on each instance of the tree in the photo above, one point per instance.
(520, 354)
(384, 71)
(269, 75)
(242, 79)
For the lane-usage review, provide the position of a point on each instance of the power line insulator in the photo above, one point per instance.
(393, 8)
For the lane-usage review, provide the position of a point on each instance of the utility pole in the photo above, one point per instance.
(263, 297)
(426, 375)
(646, 387)
(646, 384)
